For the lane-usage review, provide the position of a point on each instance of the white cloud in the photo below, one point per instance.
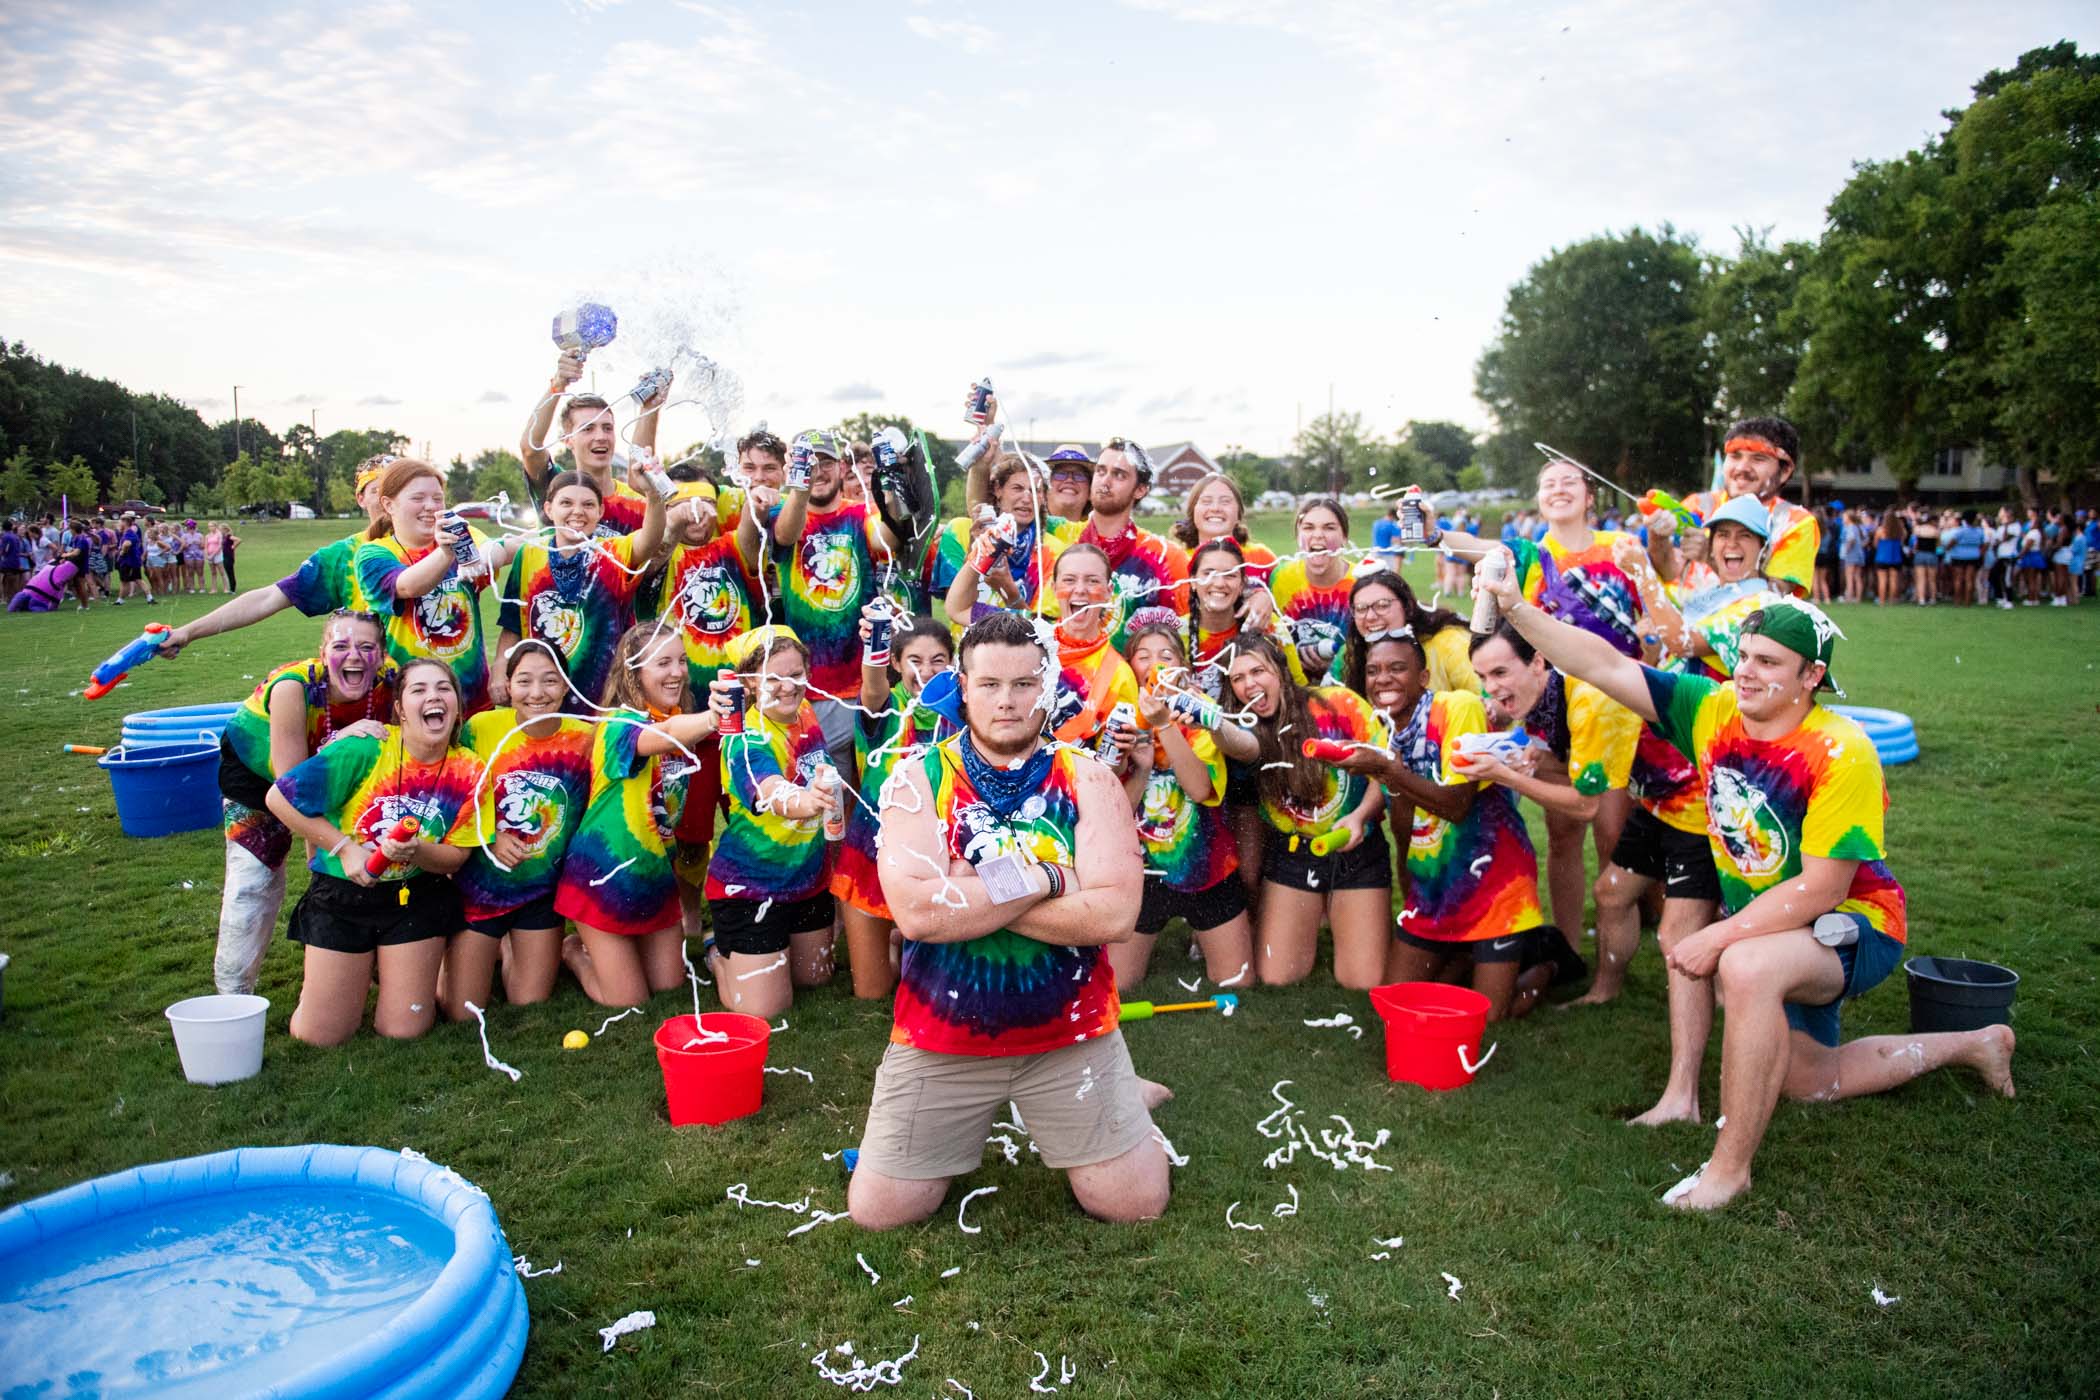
(959, 33)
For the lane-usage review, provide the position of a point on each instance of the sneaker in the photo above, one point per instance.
(151, 601)
(2032, 603)
(2058, 603)
(119, 602)
(2005, 603)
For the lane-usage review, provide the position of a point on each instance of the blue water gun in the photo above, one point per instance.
(111, 673)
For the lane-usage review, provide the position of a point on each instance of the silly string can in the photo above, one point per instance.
(1192, 708)
(980, 405)
(1414, 529)
(1123, 716)
(880, 629)
(802, 461)
(650, 385)
(733, 721)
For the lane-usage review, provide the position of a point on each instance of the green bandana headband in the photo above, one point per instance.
(1802, 628)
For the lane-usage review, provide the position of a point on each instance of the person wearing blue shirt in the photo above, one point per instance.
(1385, 538)
(1964, 545)
(131, 562)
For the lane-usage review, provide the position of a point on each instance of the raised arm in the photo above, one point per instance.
(567, 370)
(245, 611)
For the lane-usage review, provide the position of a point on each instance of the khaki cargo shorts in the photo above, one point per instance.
(931, 1112)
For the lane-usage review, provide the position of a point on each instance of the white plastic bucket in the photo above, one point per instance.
(220, 1038)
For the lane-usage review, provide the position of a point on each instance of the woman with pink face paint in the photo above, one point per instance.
(299, 707)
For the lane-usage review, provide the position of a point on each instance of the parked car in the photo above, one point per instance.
(135, 507)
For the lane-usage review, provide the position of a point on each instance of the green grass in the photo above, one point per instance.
(1979, 1212)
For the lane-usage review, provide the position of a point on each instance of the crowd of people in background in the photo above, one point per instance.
(113, 558)
(1971, 557)
(782, 709)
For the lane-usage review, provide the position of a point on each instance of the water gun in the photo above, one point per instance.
(1326, 750)
(1145, 1010)
(89, 749)
(1657, 502)
(1508, 747)
(135, 654)
(401, 831)
(1328, 842)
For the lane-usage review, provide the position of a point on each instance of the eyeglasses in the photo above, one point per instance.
(1371, 607)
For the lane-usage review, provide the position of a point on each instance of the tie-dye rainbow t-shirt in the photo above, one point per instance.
(881, 743)
(1346, 717)
(1599, 597)
(952, 547)
(1312, 621)
(1587, 730)
(248, 730)
(582, 623)
(1092, 679)
(761, 855)
(327, 580)
(707, 594)
(1478, 877)
(536, 788)
(1817, 791)
(616, 874)
(444, 623)
(1188, 844)
(362, 786)
(1004, 993)
(1450, 653)
(826, 577)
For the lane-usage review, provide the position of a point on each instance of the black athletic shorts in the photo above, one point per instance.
(1368, 867)
(130, 573)
(1508, 948)
(345, 917)
(1242, 784)
(1204, 909)
(534, 914)
(238, 782)
(1654, 850)
(740, 927)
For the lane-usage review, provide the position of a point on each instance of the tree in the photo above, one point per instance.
(1600, 353)
(21, 488)
(1449, 445)
(70, 486)
(124, 483)
(258, 442)
(1755, 333)
(1334, 455)
(1472, 478)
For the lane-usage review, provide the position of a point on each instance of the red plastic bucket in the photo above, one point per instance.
(1432, 1032)
(717, 1080)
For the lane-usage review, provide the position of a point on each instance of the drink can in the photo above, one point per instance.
(980, 407)
(802, 461)
(733, 722)
(460, 537)
(888, 449)
(1192, 708)
(880, 629)
(1414, 529)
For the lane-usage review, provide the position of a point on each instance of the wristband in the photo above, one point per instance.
(1055, 876)
(337, 848)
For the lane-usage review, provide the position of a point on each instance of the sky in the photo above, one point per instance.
(1166, 219)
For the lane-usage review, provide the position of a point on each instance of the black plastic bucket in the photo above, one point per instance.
(1957, 994)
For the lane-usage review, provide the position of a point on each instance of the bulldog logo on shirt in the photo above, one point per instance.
(1160, 819)
(830, 569)
(445, 620)
(706, 602)
(557, 623)
(1738, 812)
(527, 810)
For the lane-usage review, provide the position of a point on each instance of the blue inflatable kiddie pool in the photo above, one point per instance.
(264, 1271)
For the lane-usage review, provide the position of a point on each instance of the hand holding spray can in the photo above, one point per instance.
(1122, 717)
(882, 624)
(977, 407)
(1487, 613)
(1414, 531)
(459, 538)
(829, 786)
(643, 462)
(978, 446)
(730, 720)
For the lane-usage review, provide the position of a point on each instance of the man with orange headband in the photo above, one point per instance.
(1758, 455)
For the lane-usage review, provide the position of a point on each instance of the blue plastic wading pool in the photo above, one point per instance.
(264, 1271)
(1895, 737)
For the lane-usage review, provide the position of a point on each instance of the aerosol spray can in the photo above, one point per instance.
(650, 385)
(802, 461)
(644, 463)
(978, 446)
(979, 410)
(1486, 614)
(1192, 708)
(831, 787)
(459, 538)
(1414, 531)
(880, 628)
(889, 448)
(1123, 716)
(733, 721)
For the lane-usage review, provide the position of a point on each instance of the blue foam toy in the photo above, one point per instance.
(315, 1271)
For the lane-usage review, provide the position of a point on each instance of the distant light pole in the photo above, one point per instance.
(236, 420)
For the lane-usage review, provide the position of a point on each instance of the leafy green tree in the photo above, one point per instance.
(1472, 478)
(1450, 445)
(1600, 352)
(124, 483)
(1755, 332)
(1334, 455)
(21, 488)
(71, 483)
(2045, 361)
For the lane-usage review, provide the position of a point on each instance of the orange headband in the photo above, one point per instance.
(1755, 444)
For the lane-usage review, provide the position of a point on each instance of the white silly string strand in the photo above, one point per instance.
(489, 1056)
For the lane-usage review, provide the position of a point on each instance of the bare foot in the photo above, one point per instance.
(1667, 1110)
(574, 956)
(1992, 1055)
(1153, 1093)
(1597, 995)
(1702, 1192)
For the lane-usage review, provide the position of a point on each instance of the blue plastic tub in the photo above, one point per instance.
(287, 1271)
(166, 789)
(188, 724)
(1895, 737)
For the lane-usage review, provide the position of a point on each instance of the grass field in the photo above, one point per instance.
(1979, 1213)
